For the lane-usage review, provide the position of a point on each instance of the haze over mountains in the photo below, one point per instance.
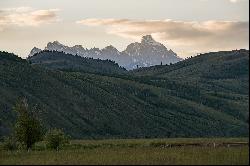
(144, 54)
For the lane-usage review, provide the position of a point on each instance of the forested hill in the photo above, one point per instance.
(68, 62)
(214, 65)
(204, 96)
(218, 79)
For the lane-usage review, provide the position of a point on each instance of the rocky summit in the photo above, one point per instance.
(144, 54)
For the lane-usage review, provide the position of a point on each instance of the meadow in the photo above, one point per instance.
(188, 151)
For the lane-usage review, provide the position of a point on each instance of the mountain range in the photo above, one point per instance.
(144, 54)
(202, 96)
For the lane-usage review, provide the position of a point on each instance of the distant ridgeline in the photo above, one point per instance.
(203, 96)
(68, 62)
(144, 54)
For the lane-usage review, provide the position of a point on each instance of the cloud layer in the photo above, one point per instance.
(234, 1)
(193, 36)
(26, 16)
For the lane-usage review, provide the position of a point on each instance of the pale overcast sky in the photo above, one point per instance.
(185, 26)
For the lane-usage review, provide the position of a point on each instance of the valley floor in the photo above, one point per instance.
(148, 151)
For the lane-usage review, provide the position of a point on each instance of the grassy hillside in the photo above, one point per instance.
(181, 100)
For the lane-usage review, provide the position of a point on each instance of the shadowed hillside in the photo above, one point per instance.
(202, 96)
(67, 62)
(219, 80)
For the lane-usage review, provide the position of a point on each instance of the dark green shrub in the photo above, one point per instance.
(10, 143)
(55, 139)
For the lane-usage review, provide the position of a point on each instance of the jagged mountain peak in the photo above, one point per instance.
(148, 39)
(35, 48)
(95, 49)
(54, 43)
(78, 46)
(109, 52)
(57, 46)
(147, 53)
(110, 48)
(34, 51)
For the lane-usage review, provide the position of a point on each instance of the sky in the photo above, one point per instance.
(188, 27)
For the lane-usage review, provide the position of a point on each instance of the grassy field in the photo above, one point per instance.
(141, 151)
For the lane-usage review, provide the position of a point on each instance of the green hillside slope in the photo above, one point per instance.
(146, 103)
(219, 80)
